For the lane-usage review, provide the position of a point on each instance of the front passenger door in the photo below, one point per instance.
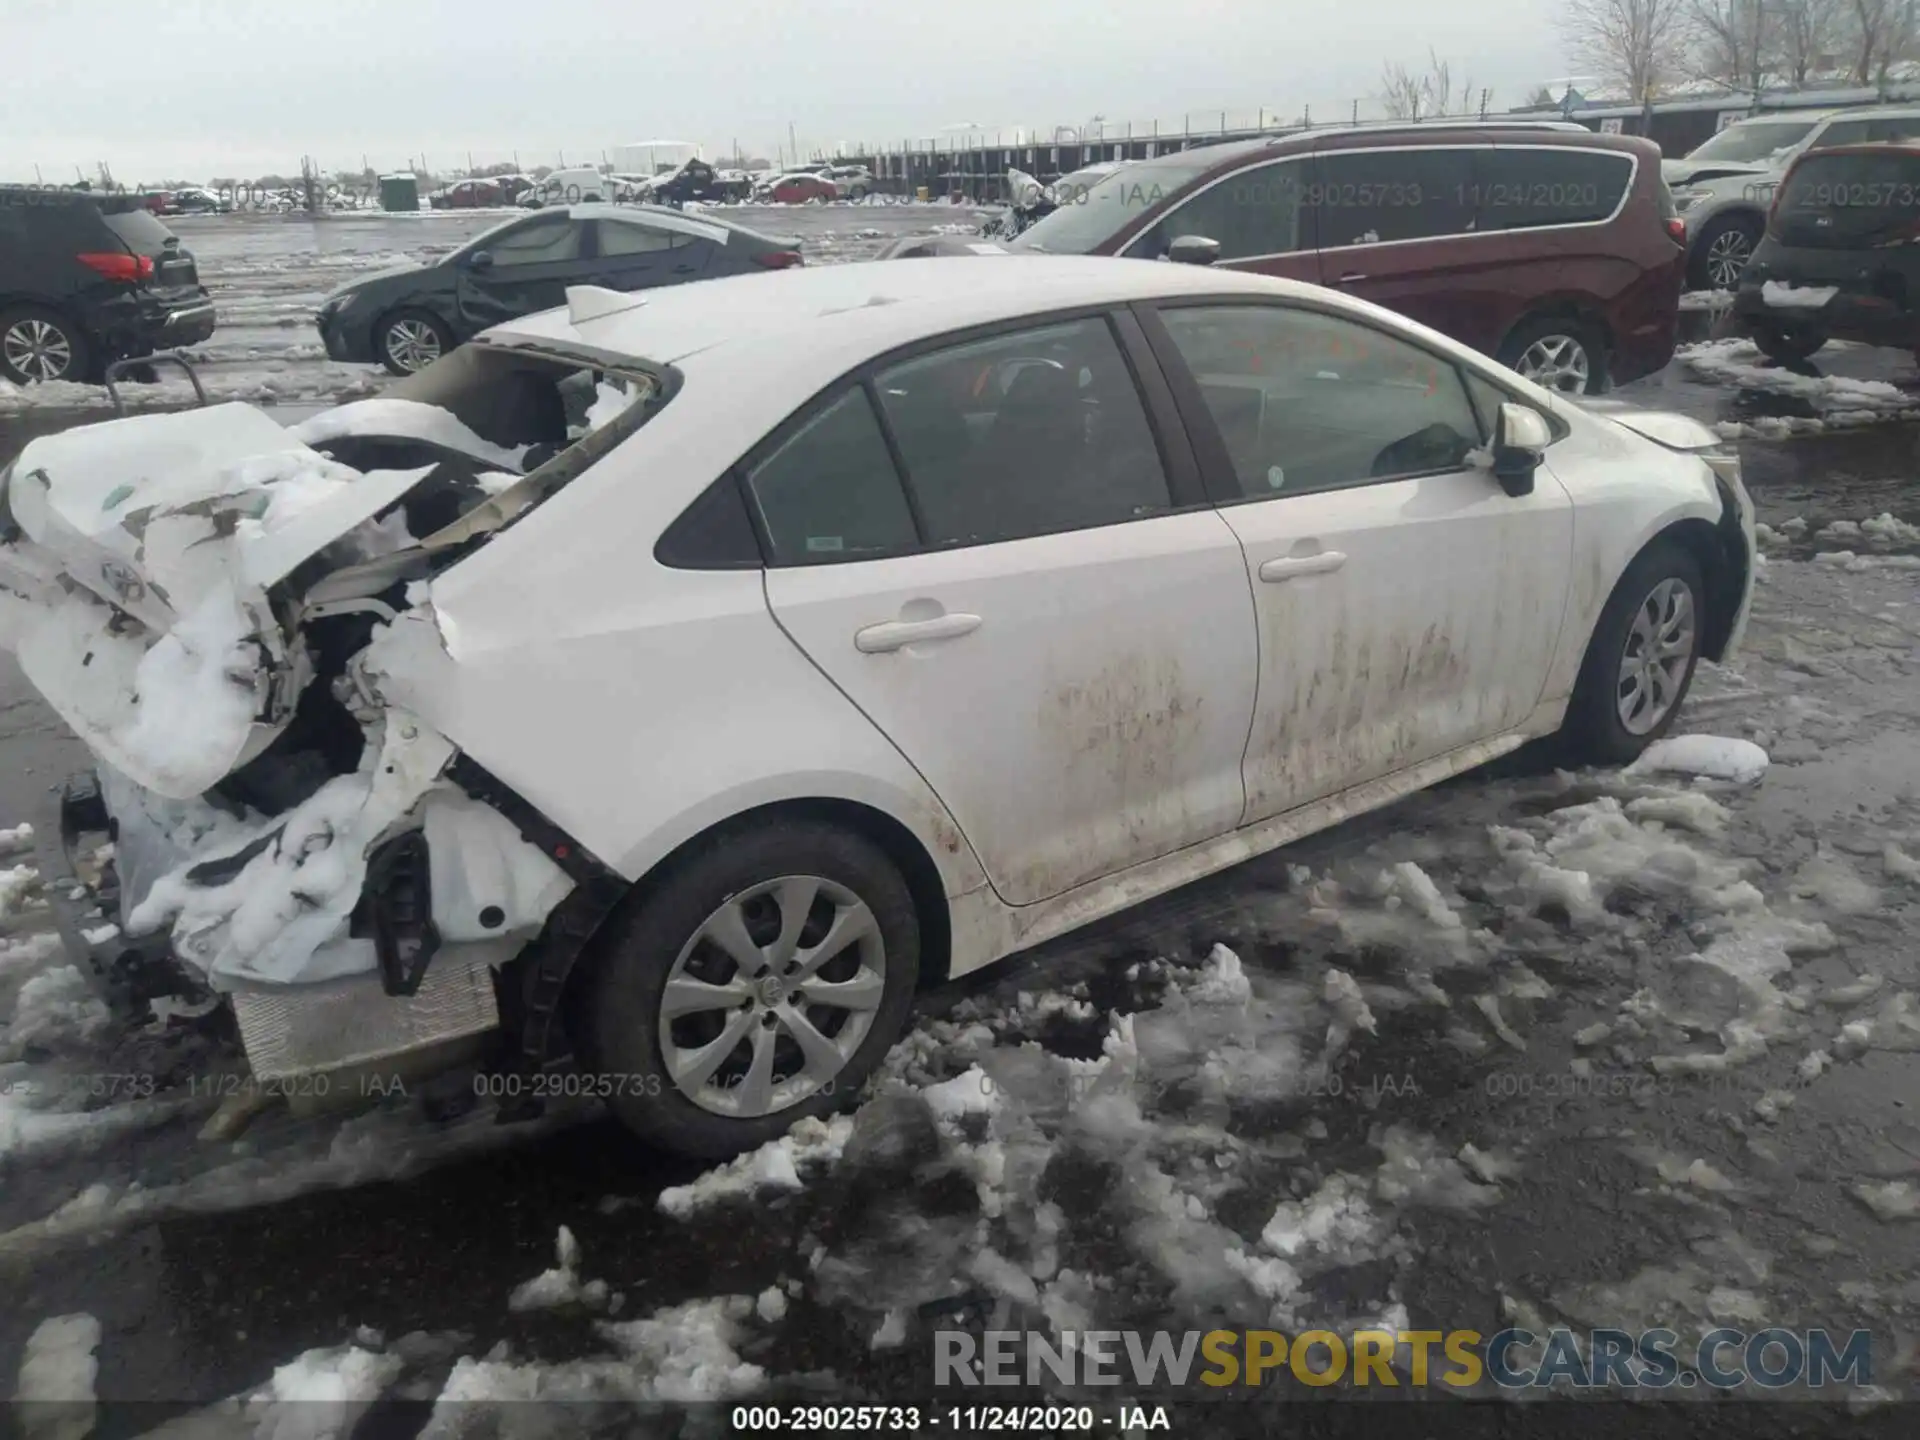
(532, 265)
(1408, 607)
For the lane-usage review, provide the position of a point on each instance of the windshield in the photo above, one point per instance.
(1747, 143)
(1100, 211)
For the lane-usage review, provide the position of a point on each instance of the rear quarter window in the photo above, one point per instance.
(139, 231)
(1527, 188)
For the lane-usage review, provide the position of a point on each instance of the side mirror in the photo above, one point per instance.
(480, 260)
(1193, 250)
(1521, 436)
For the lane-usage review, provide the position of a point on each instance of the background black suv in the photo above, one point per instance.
(89, 279)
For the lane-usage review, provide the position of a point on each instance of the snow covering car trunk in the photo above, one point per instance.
(196, 595)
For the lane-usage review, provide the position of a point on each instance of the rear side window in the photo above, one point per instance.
(1025, 434)
(617, 238)
(1371, 197)
(139, 231)
(1521, 189)
(830, 492)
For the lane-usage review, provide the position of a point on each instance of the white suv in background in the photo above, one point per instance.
(1723, 188)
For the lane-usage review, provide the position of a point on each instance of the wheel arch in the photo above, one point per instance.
(886, 832)
(1722, 572)
(1564, 306)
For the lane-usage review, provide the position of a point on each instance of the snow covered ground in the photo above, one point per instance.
(1600, 1048)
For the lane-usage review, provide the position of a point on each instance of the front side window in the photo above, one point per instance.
(1024, 434)
(1371, 197)
(539, 242)
(1306, 401)
(830, 491)
(1252, 212)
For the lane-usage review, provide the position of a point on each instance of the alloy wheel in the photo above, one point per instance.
(37, 349)
(412, 344)
(772, 996)
(1559, 362)
(1653, 665)
(1727, 256)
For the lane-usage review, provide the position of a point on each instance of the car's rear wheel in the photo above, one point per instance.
(1786, 344)
(1720, 255)
(1559, 352)
(410, 340)
(1641, 659)
(39, 345)
(760, 981)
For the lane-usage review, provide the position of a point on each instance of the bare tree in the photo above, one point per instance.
(1806, 31)
(1408, 96)
(1882, 32)
(1635, 44)
(1734, 41)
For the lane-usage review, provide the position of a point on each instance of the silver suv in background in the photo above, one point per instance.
(1724, 186)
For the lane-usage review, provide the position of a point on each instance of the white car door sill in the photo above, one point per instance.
(998, 931)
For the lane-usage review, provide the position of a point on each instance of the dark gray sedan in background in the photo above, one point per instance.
(405, 319)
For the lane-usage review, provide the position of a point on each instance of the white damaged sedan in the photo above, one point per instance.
(662, 688)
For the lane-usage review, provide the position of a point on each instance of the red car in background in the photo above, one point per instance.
(798, 189)
(1556, 251)
(470, 195)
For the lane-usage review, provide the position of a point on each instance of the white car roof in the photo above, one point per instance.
(821, 321)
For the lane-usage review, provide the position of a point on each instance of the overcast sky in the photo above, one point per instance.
(198, 88)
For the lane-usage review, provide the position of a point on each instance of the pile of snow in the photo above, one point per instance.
(1784, 295)
(1711, 757)
(774, 1166)
(561, 1285)
(683, 1355)
(55, 1394)
(413, 419)
(1735, 362)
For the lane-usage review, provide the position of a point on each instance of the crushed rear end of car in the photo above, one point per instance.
(215, 606)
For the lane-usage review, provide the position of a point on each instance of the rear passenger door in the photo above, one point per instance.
(1000, 552)
(1397, 227)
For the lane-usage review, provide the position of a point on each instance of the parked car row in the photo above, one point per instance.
(86, 280)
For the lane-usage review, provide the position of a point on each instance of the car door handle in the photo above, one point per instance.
(897, 634)
(1291, 566)
(1352, 277)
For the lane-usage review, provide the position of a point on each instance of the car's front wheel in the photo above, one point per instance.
(410, 340)
(1720, 255)
(38, 345)
(1640, 661)
(760, 980)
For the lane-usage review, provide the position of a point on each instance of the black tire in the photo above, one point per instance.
(385, 338)
(619, 1014)
(30, 334)
(1786, 344)
(1552, 334)
(1594, 730)
(1725, 245)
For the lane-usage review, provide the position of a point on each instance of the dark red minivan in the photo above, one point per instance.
(1555, 250)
